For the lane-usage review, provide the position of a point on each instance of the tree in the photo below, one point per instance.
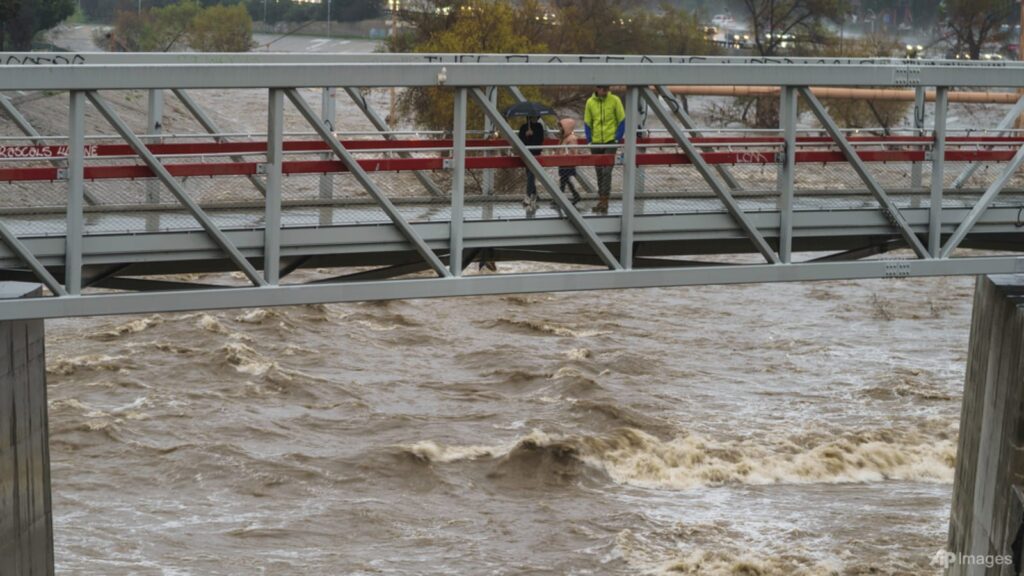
(675, 31)
(975, 23)
(776, 23)
(476, 26)
(8, 10)
(171, 25)
(184, 24)
(20, 20)
(156, 29)
(854, 113)
(773, 22)
(222, 29)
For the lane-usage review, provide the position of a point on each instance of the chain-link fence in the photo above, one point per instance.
(235, 201)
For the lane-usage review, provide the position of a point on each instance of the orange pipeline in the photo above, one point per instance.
(849, 93)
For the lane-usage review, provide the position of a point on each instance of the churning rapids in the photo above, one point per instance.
(744, 430)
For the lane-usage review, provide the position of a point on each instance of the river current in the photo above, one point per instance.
(740, 430)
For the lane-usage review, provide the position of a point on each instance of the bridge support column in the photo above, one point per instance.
(990, 458)
(26, 521)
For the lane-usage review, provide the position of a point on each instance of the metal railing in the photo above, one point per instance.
(774, 188)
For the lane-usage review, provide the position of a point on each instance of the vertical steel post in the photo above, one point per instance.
(787, 171)
(629, 178)
(272, 219)
(488, 174)
(76, 194)
(155, 112)
(154, 125)
(938, 172)
(641, 172)
(328, 112)
(488, 180)
(919, 109)
(458, 182)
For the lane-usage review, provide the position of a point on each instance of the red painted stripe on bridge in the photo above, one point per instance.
(313, 146)
(494, 162)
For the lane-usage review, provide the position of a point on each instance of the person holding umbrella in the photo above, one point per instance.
(604, 120)
(531, 133)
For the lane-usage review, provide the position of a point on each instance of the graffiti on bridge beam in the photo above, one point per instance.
(42, 152)
(645, 59)
(30, 60)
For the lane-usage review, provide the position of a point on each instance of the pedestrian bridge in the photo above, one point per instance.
(118, 220)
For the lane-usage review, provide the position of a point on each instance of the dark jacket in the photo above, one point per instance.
(534, 138)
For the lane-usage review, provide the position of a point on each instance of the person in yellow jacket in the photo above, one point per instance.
(604, 120)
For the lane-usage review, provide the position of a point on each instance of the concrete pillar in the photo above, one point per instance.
(26, 521)
(990, 461)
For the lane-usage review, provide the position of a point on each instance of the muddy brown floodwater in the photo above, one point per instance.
(773, 429)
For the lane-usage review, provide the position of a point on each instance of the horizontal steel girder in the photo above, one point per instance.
(225, 298)
(378, 238)
(426, 72)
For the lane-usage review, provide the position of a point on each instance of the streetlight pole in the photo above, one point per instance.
(328, 18)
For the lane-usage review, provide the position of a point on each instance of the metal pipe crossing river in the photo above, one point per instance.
(102, 218)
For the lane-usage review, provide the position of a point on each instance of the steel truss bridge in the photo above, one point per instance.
(125, 219)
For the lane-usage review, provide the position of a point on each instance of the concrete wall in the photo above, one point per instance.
(1017, 544)
(26, 522)
(990, 460)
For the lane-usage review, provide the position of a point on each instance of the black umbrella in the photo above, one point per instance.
(529, 109)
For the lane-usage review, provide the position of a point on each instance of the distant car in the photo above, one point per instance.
(983, 57)
(738, 39)
(915, 51)
(784, 40)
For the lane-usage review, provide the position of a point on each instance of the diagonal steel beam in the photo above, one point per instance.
(719, 188)
(360, 100)
(211, 127)
(102, 273)
(982, 205)
(517, 94)
(545, 179)
(859, 253)
(293, 265)
(27, 257)
(382, 273)
(891, 212)
(1004, 124)
(28, 130)
(689, 124)
(175, 188)
(145, 285)
(364, 179)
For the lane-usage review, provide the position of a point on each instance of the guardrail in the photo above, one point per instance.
(745, 173)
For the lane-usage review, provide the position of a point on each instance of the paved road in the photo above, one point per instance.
(78, 38)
